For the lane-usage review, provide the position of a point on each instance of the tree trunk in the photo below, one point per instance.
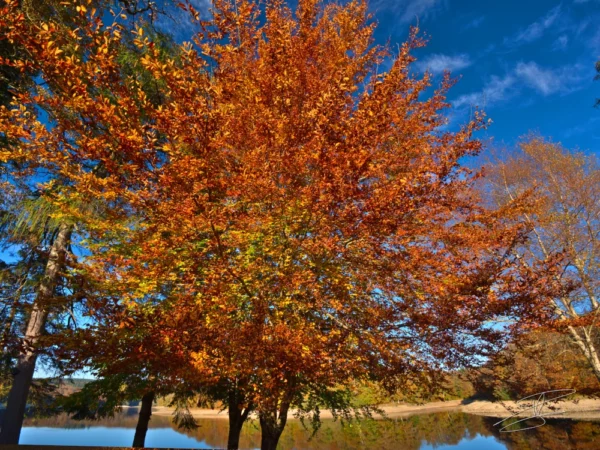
(585, 344)
(271, 427)
(144, 418)
(588, 349)
(237, 417)
(23, 373)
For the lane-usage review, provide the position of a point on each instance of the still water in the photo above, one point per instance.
(440, 431)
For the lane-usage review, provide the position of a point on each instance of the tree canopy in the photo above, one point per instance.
(266, 204)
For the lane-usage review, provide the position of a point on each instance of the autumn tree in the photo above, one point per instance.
(37, 314)
(536, 362)
(18, 280)
(306, 213)
(48, 202)
(129, 362)
(25, 222)
(314, 215)
(40, 11)
(563, 221)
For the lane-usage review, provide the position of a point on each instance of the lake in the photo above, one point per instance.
(440, 431)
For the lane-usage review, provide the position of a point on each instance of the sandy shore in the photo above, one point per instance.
(390, 410)
(573, 409)
(582, 409)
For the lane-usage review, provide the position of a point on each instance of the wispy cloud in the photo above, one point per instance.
(590, 125)
(475, 23)
(561, 42)
(410, 10)
(496, 90)
(535, 30)
(544, 81)
(594, 42)
(549, 81)
(437, 63)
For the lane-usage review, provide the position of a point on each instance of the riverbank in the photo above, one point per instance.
(390, 410)
(579, 409)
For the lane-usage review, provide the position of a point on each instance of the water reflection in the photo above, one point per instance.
(440, 431)
(557, 434)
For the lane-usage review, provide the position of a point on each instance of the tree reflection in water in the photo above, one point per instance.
(410, 433)
(561, 434)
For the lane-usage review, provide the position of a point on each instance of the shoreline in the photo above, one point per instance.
(579, 409)
(582, 409)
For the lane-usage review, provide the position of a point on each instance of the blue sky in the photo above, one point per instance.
(528, 63)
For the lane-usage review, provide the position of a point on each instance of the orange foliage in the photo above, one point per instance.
(304, 215)
(536, 362)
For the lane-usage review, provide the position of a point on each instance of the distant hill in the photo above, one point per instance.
(79, 383)
(67, 386)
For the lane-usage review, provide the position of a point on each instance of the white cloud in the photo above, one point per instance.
(545, 81)
(536, 29)
(437, 63)
(496, 90)
(549, 81)
(410, 10)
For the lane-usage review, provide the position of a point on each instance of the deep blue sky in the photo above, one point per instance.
(528, 63)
